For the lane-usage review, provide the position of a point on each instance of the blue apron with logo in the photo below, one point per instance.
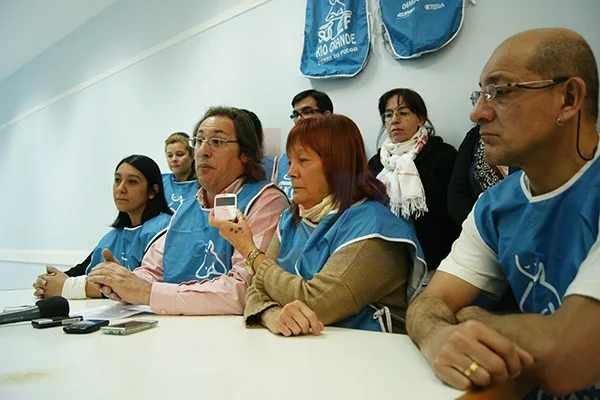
(129, 245)
(336, 38)
(194, 250)
(305, 248)
(415, 27)
(541, 243)
(176, 192)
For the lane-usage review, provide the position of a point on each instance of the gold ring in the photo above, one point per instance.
(470, 369)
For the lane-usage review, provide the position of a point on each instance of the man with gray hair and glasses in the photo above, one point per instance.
(537, 231)
(192, 270)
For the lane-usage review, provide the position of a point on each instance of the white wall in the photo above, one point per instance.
(57, 163)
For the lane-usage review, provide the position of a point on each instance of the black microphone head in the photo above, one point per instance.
(56, 306)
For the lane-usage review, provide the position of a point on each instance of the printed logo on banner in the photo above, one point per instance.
(334, 37)
(434, 7)
(407, 9)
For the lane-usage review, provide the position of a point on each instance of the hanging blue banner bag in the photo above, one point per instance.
(412, 28)
(337, 38)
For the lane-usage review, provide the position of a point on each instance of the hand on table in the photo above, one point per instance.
(49, 284)
(293, 319)
(118, 283)
(470, 354)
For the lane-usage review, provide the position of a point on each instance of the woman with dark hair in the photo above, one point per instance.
(340, 256)
(143, 217)
(269, 163)
(415, 166)
(181, 183)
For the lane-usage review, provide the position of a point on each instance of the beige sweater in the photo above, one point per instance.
(371, 271)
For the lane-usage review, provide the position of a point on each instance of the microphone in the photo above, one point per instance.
(56, 306)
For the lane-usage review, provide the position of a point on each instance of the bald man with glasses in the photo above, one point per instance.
(536, 231)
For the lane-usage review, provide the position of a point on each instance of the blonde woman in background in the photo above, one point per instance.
(181, 184)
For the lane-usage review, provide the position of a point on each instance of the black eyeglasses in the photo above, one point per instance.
(492, 91)
(213, 143)
(305, 112)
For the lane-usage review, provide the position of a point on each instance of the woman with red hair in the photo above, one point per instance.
(340, 257)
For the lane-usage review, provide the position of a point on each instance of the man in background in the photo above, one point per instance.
(306, 104)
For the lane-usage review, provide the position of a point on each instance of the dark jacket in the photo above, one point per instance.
(435, 230)
(463, 189)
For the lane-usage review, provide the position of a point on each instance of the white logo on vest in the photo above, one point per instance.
(212, 266)
(175, 199)
(538, 277)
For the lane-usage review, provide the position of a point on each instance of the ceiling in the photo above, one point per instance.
(29, 27)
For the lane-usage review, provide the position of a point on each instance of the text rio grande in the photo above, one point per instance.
(342, 40)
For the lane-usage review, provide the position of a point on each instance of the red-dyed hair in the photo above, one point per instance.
(338, 142)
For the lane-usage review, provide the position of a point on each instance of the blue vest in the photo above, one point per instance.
(128, 245)
(269, 163)
(336, 38)
(414, 27)
(194, 250)
(177, 192)
(541, 244)
(283, 180)
(305, 248)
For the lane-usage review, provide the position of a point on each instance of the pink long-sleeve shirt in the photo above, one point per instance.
(223, 295)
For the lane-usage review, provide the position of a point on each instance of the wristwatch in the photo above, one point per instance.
(250, 259)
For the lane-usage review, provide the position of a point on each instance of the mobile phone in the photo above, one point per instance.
(128, 327)
(225, 206)
(42, 323)
(86, 326)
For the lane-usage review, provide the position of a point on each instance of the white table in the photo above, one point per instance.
(208, 358)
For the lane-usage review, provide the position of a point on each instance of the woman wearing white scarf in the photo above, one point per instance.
(401, 177)
(415, 165)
